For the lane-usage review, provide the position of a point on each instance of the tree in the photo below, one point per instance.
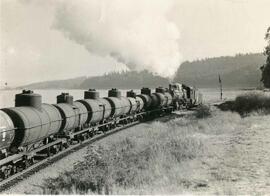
(266, 67)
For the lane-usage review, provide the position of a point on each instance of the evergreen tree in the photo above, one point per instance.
(266, 67)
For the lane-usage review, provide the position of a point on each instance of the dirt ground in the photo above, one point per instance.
(238, 162)
(234, 162)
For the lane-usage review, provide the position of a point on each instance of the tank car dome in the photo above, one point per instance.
(114, 93)
(65, 98)
(28, 98)
(91, 94)
(131, 93)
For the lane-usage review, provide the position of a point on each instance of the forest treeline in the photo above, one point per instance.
(240, 71)
(125, 80)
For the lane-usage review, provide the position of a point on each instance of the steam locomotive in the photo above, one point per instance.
(33, 129)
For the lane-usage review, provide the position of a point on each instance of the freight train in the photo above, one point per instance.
(33, 129)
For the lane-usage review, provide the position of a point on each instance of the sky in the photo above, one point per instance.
(56, 39)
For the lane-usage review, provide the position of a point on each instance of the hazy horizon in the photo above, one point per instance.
(54, 40)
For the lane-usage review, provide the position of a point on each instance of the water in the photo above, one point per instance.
(213, 95)
(7, 97)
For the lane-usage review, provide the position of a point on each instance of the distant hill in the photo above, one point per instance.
(121, 80)
(125, 80)
(239, 71)
(73, 83)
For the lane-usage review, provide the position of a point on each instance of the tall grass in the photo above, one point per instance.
(130, 162)
(150, 158)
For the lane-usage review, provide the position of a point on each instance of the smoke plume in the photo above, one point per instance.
(135, 33)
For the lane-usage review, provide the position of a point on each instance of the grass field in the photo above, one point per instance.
(217, 154)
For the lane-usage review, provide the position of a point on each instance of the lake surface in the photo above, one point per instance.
(7, 97)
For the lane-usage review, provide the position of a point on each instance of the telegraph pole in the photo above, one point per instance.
(220, 85)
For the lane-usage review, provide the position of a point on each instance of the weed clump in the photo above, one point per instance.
(203, 111)
(88, 175)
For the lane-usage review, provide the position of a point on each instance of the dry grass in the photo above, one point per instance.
(154, 158)
(131, 162)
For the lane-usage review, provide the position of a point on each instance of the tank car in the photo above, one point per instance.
(135, 104)
(169, 98)
(83, 113)
(104, 103)
(120, 105)
(140, 103)
(95, 110)
(54, 117)
(7, 133)
(145, 96)
(69, 113)
(32, 120)
(158, 98)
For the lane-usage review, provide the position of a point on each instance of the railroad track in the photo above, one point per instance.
(16, 178)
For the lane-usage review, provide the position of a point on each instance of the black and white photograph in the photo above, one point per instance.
(134, 97)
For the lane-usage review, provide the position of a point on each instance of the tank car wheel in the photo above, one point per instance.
(86, 136)
(25, 164)
(48, 152)
(91, 134)
(60, 147)
(66, 145)
(14, 170)
(3, 174)
(31, 161)
(54, 150)
(83, 137)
